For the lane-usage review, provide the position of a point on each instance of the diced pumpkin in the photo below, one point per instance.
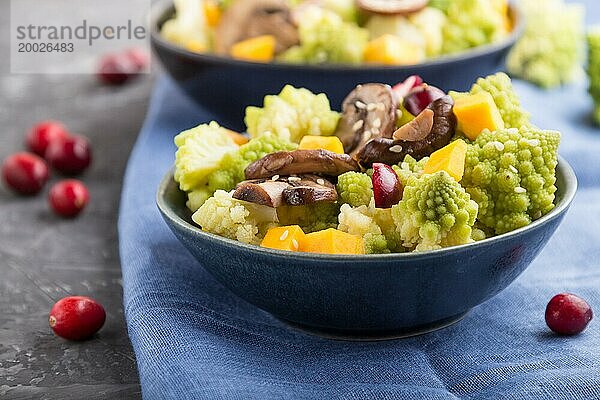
(450, 159)
(331, 143)
(196, 46)
(476, 112)
(260, 49)
(283, 238)
(237, 138)
(212, 12)
(332, 241)
(390, 49)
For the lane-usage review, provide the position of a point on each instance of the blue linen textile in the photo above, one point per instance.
(195, 340)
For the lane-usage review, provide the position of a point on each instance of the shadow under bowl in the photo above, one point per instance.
(225, 86)
(373, 296)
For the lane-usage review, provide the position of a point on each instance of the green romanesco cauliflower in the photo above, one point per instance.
(346, 9)
(374, 225)
(409, 167)
(510, 173)
(199, 153)
(230, 170)
(550, 51)
(292, 114)
(311, 218)
(472, 23)
(188, 26)
(355, 188)
(225, 216)
(326, 38)
(593, 40)
(435, 212)
(506, 98)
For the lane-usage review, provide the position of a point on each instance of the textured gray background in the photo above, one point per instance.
(44, 258)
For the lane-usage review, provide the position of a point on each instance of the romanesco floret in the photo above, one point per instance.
(199, 153)
(375, 225)
(506, 98)
(434, 212)
(355, 188)
(225, 216)
(292, 114)
(346, 9)
(409, 167)
(472, 23)
(551, 49)
(326, 38)
(510, 173)
(188, 28)
(593, 40)
(311, 218)
(230, 170)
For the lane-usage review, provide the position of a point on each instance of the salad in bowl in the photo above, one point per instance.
(377, 32)
(407, 168)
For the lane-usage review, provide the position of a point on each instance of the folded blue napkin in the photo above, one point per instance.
(195, 340)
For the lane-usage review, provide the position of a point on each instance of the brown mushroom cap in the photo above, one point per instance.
(245, 19)
(392, 7)
(309, 189)
(292, 190)
(369, 111)
(391, 151)
(301, 162)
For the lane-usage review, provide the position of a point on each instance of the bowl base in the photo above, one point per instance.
(375, 336)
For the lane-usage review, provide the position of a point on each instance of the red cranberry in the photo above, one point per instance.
(403, 88)
(568, 314)
(71, 155)
(117, 69)
(25, 173)
(139, 58)
(387, 188)
(76, 317)
(44, 133)
(420, 97)
(69, 197)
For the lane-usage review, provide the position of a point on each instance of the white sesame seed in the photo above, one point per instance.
(499, 146)
(275, 177)
(294, 179)
(359, 104)
(396, 148)
(371, 107)
(513, 169)
(295, 244)
(399, 113)
(377, 123)
(321, 181)
(520, 190)
(357, 125)
(284, 235)
(381, 106)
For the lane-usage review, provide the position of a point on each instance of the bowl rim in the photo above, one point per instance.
(565, 202)
(161, 7)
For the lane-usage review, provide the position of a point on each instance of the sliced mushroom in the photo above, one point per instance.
(391, 151)
(309, 189)
(417, 129)
(245, 19)
(392, 7)
(369, 112)
(264, 192)
(301, 162)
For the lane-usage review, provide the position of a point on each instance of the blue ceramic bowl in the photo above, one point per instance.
(223, 84)
(373, 296)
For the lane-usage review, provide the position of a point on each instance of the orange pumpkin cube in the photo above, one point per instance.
(332, 241)
(476, 112)
(450, 159)
(390, 49)
(259, 49)
(283, 238)
(331, 143)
